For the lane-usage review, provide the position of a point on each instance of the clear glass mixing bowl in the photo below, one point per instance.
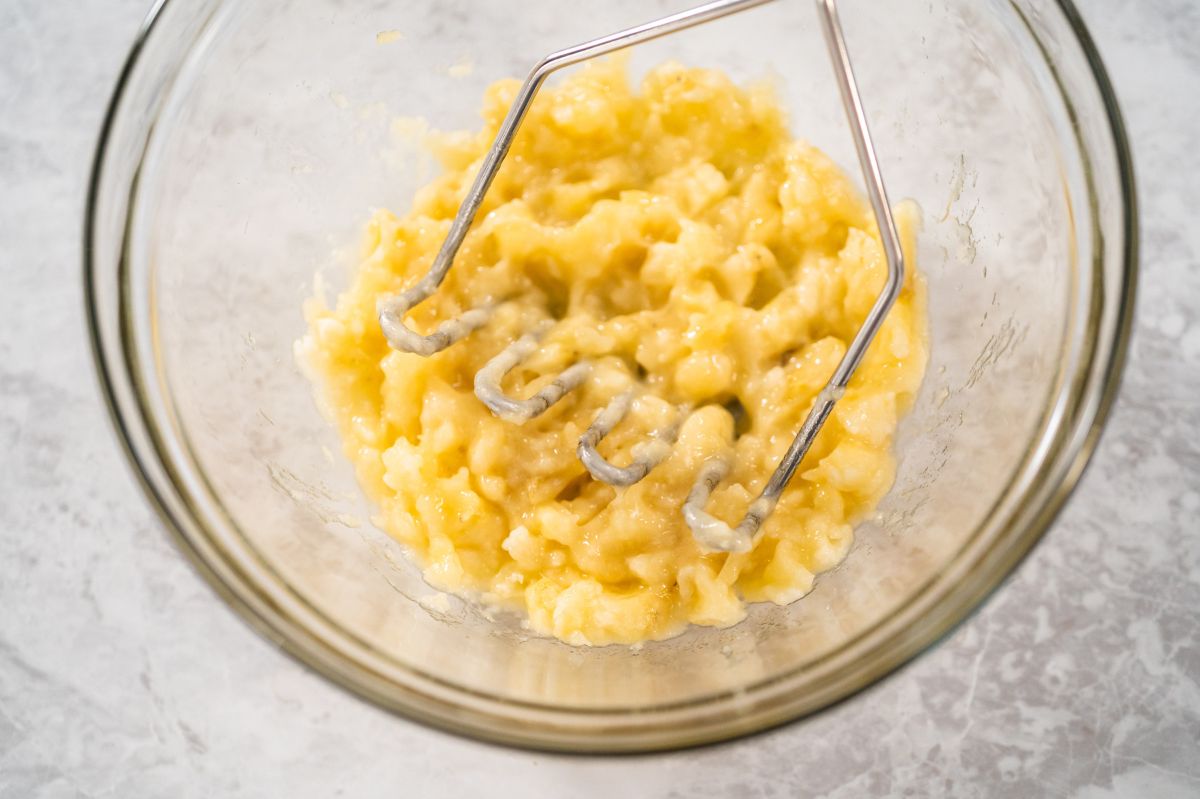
(246, 144)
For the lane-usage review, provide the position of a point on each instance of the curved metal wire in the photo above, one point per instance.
(646, 456)
(709, 531)
(712, 532)
(518, 411)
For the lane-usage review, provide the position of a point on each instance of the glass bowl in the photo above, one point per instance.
(245, 146)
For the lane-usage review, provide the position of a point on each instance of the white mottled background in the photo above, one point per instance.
(122, 675)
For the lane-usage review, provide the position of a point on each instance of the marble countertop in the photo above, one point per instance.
(123, 675)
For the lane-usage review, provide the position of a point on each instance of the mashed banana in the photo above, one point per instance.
(682, 241)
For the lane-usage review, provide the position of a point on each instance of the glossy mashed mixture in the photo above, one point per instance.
(683, 242)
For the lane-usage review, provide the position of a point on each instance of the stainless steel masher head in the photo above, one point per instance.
(711, 533)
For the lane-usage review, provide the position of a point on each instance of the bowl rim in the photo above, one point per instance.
(1103, 369)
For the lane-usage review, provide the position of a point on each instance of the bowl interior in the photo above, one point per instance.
(282, 124)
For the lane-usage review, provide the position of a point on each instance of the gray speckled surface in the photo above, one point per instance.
(122, 674)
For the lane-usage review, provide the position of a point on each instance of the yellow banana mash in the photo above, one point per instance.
(682, 242)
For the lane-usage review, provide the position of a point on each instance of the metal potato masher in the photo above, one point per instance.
(710, 532)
